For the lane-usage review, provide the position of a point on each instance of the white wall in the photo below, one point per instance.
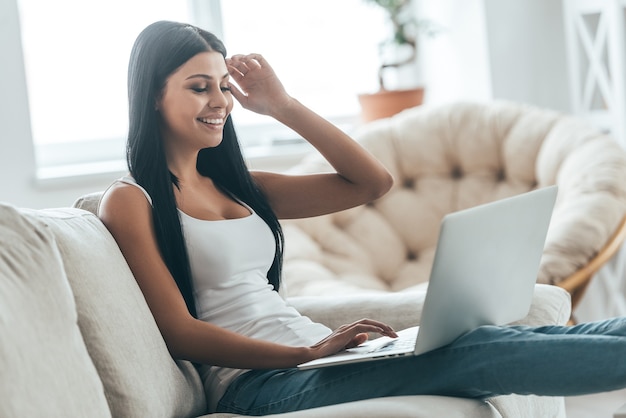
(496, 49)
(455, 63)
(528, 52)
(505, 49)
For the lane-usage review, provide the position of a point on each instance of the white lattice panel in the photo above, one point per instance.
(596, 45)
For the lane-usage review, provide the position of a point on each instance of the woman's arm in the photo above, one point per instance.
(127, 215)
(359, 177)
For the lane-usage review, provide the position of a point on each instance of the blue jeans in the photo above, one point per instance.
(486, 362)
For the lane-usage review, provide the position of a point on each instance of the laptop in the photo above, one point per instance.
(484, 273)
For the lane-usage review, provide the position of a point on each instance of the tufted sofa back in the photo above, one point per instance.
(452, 157)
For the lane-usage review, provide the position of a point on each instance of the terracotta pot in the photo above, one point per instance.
(386, 103)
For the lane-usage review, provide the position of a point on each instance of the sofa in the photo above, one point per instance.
(450, 157)
(77, 338)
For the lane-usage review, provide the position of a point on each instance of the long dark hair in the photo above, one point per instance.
(160, 49)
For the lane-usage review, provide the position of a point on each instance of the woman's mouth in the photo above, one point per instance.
(212, 122)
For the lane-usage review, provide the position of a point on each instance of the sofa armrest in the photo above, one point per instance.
(551, 305)
(89, 202)
(400, 310)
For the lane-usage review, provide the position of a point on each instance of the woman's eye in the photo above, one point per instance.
(226, 88)
(199, 89)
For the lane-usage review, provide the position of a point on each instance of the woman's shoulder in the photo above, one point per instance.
(126, 189)
(124, 198)
(127, 214)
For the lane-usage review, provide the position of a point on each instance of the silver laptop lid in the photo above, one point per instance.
(485, 266)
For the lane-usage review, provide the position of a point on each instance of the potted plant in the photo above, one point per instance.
(399, 51)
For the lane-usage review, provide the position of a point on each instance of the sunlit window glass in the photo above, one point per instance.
(76, 55)
(324, 51)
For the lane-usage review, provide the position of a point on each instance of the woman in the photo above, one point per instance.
(201, 235)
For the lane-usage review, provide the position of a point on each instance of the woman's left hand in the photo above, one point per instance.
(258, 88)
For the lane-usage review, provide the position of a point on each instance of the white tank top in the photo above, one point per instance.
(229, 262)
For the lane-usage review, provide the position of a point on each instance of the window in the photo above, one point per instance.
(324, 51)
(76, 56)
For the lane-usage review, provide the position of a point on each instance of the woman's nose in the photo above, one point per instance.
(218, 99)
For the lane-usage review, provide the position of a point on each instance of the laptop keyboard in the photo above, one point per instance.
(398, 344)
(405, 341)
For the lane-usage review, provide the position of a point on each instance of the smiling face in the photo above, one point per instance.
(194, 104)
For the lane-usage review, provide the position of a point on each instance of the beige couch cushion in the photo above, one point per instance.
(44, 365)
(550, 306)
(139, 376)
(403, 407)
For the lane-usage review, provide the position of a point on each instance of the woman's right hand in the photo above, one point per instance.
(350, 336)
